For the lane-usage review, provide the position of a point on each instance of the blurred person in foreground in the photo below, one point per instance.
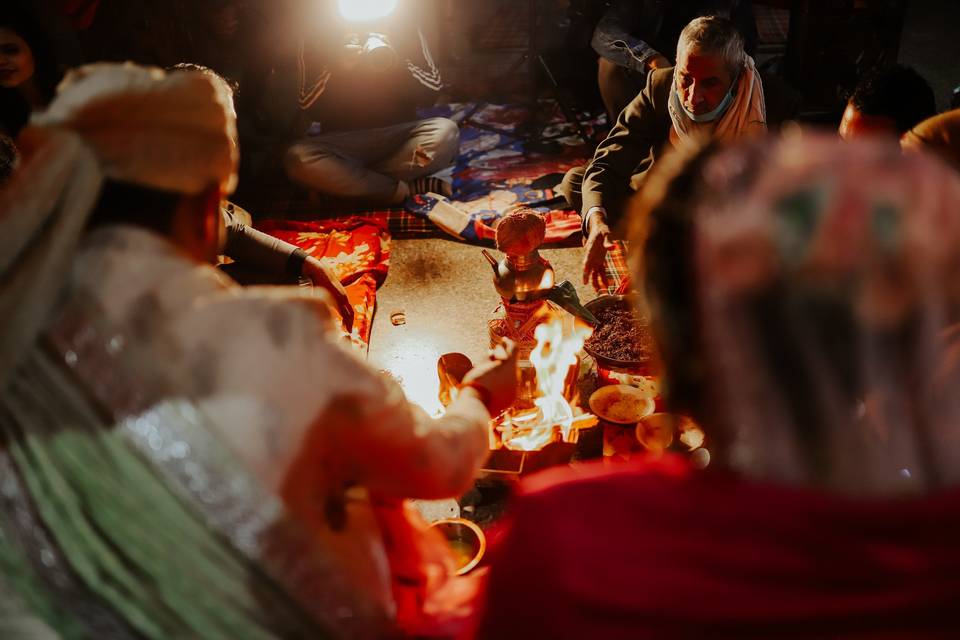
(714, 90)
(888, 101)
(939, 135)
(801, 291)
(165, 477)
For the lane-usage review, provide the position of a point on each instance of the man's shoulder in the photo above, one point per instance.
(658, 82)
(655, 94)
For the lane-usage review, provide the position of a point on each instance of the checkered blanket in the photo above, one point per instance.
(618, 273)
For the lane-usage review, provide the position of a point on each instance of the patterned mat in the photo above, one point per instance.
(496, 170)
(500, 168)
(618, 273)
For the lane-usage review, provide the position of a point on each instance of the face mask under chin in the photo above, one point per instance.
(714, 114)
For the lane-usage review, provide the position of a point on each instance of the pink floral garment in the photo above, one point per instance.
(799, 240)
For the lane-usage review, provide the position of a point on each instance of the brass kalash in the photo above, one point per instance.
(544, 425)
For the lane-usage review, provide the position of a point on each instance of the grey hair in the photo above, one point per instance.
(715, 35)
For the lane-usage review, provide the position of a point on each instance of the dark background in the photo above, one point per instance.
(931, 44)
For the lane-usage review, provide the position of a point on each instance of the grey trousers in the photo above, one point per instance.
(367, 165)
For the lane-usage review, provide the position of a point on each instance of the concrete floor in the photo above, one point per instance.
(444, 290)
(931, 44)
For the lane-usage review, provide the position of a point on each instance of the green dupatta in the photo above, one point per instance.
(140, 550)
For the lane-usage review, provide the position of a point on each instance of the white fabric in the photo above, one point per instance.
(133, 124)
(272, 343)
(293, 402)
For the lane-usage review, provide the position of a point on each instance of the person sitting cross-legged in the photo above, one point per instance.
(340, 114)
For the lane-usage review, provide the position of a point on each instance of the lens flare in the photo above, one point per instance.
(365, 10)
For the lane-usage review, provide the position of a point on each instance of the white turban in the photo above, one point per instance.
(174, 132)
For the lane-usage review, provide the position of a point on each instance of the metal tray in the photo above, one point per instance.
(624, 366)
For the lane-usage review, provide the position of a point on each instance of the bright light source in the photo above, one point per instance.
(364, 10)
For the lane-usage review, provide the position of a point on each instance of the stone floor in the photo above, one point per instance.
(441, 292)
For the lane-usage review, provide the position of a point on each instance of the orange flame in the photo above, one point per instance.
(552, 359)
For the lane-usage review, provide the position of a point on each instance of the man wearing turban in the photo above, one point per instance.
(202, 460)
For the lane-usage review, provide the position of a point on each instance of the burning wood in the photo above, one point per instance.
(528, 432)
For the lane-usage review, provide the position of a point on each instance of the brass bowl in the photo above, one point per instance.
(621, 404)
(466, 540)
(656, 431)
(659, 431)
(624, 366)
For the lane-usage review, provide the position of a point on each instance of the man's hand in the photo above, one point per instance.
(597, 245)
(497, 379)
(658, 62)
(324, 278)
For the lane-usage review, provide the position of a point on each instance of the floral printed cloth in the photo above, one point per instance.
(358, 248)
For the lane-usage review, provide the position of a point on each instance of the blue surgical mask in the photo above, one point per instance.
(714, 114)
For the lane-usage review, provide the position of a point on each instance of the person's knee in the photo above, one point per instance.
(295, 159)
(571, 185)
(444, 142)
(617, 86)
(607, 70)
(449, 137)
(300, 162)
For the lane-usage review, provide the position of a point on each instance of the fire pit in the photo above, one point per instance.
(543, 427)
(546, 420)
